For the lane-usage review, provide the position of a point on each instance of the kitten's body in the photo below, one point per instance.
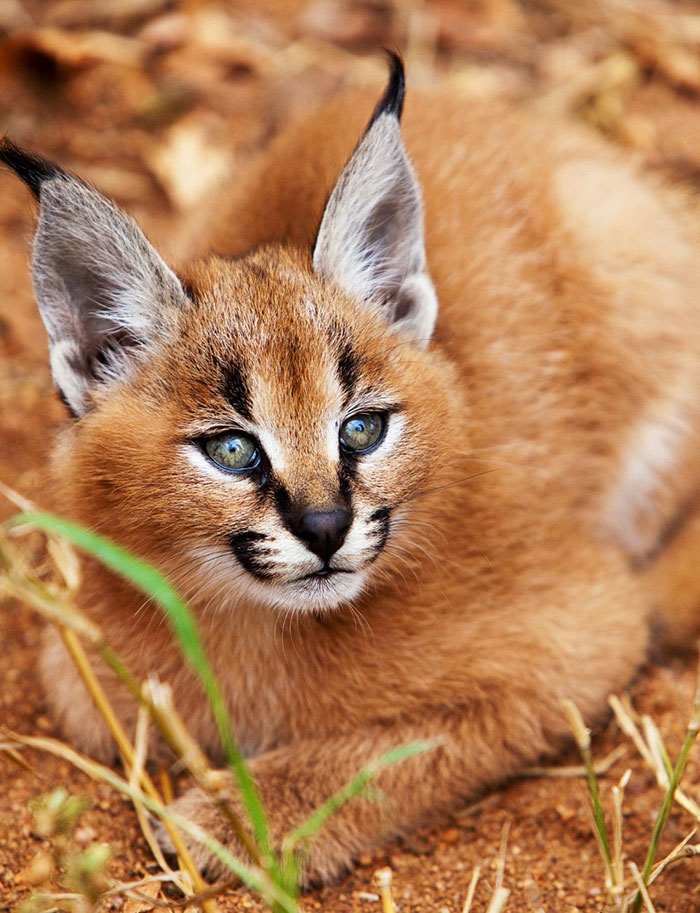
(541, 475)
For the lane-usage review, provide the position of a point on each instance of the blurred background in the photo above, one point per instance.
(158, 101)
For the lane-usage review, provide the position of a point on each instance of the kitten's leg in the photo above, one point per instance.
(480, 746)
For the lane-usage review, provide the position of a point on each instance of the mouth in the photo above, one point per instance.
(325, 589)
(324, 573)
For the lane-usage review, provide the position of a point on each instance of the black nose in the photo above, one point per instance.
(323, 530)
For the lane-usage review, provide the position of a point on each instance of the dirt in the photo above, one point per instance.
(157, 103)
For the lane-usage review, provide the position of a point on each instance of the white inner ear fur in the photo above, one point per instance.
(371, 237)
(102, 289)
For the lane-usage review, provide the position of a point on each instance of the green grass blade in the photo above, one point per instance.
(356, 787)
(675, 779)
(256, 879)
(155, 585)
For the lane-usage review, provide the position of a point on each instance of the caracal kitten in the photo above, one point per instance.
(425, 463)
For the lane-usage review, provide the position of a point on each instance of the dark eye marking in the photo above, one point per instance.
(348, 369)
(282, 498)
(236, 391)
(249, 535)
(246, 548)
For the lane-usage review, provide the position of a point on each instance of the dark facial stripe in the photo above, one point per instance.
(382, 517)
(348, 369)
(236, 390)
(283, 502)
(346, 475)
(251, 555)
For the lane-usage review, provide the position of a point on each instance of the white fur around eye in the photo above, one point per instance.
(332, 440)
(394, 429)
(273, 450)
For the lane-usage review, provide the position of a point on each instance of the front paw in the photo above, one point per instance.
(323, 859)
(195, 806)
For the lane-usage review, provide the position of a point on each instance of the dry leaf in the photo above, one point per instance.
(189, 164)
(350, 24)
(105, 14)
(13, 16)
(80, 49)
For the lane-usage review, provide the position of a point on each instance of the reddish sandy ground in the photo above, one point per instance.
(156, 86)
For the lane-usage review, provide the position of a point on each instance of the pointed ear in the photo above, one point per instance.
(104, 293)
(371, 236)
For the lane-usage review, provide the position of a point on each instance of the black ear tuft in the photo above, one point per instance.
(30, 168)
(391, 101)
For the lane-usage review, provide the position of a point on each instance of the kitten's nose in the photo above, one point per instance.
(324, 531)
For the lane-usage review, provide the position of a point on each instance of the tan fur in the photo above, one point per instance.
(550, 450)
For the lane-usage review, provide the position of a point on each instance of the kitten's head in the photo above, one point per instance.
(262, 427)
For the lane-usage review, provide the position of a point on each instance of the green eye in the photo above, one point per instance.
(232, 450)
(362, 432)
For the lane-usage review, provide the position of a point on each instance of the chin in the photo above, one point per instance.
(210, 577)
(312, 594)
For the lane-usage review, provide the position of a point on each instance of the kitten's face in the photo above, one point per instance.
(276, 449)
(263, 436)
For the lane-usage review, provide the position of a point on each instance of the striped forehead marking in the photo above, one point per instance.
(348, 369)
(236, 390)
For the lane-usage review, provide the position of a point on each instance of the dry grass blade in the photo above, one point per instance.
(570, 771)
(129, 755)
(63, 555)
(498, 901)
(628, 725)
(618, 870)
(656, 746)
(644, 894)
(196, 900)
(503, 847)
(654, 758)
(159, 700)
(500, 895)
(382, 879)
(255, 878)
(124, 886)
(469, 899)
(166, 785)
(680, 851)
(691, 734)
(32, 592)
(12, 753)
(140, 744)
(14, 497)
